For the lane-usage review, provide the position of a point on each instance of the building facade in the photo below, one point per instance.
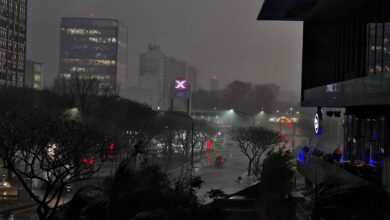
(34, 75)
(151, 75)
(13, 22)
(192, 76)
(157, 75)
(346, 64)
(94, 49)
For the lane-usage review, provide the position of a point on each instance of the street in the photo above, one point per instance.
(224, 177)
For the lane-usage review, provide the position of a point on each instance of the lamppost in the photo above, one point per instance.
(192, 133)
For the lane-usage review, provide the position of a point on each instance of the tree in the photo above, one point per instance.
(277, 174)
(51, 151)
(238, 95)
(253, 143)
(82, 91)
(141, 194)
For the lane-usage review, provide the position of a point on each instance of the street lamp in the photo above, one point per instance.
(192, 133)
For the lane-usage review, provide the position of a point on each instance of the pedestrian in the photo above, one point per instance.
(337, 154)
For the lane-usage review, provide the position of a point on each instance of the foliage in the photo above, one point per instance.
(333, 199)
(32, 122)
(81, 91)
(277, 175)
(241, 96)
(253, 143)
(143, 194)
(41, 146)
(216, 193)
(49, 150)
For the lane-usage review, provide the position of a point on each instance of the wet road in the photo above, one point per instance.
(224, 177)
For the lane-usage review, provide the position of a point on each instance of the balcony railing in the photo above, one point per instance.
(316, 170)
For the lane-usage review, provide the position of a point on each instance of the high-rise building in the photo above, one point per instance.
(151, 75)
(192, 76)
(173, 69)
(94, 49)
(157, 75)
(214, 83)
(345, 65)
(13, 16)
(34, 75)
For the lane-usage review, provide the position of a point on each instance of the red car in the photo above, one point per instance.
(219, 160)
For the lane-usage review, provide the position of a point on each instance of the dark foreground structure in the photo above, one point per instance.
(346, 64)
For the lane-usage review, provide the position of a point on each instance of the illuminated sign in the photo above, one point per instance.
(181, 84)
(332, 88)
(318, 124)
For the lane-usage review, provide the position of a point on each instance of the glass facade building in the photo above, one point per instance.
(13, 21)
(94, 49)
(346, 64)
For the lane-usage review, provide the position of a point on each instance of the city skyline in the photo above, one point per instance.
(238, 50)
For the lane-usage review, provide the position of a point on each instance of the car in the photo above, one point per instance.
(4, 184)
(219, 161)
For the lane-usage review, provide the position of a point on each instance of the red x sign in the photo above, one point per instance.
(181, 84)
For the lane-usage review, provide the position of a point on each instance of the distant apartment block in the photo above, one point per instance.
(94, 49)
(151, 75)
(13, 21)
(192, 76)
(34, 75)
(157, 73)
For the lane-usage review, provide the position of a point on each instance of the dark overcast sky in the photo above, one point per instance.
(220, 37)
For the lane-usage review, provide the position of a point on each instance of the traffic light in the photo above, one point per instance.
(209, 144)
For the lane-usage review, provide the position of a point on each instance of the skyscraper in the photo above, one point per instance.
(192, 76)
(157, 75)
(151, 75)
(12, 42)
(94, 49)
(34, 75)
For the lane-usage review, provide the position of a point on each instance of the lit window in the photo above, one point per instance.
(37, 77)
(77, 69)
